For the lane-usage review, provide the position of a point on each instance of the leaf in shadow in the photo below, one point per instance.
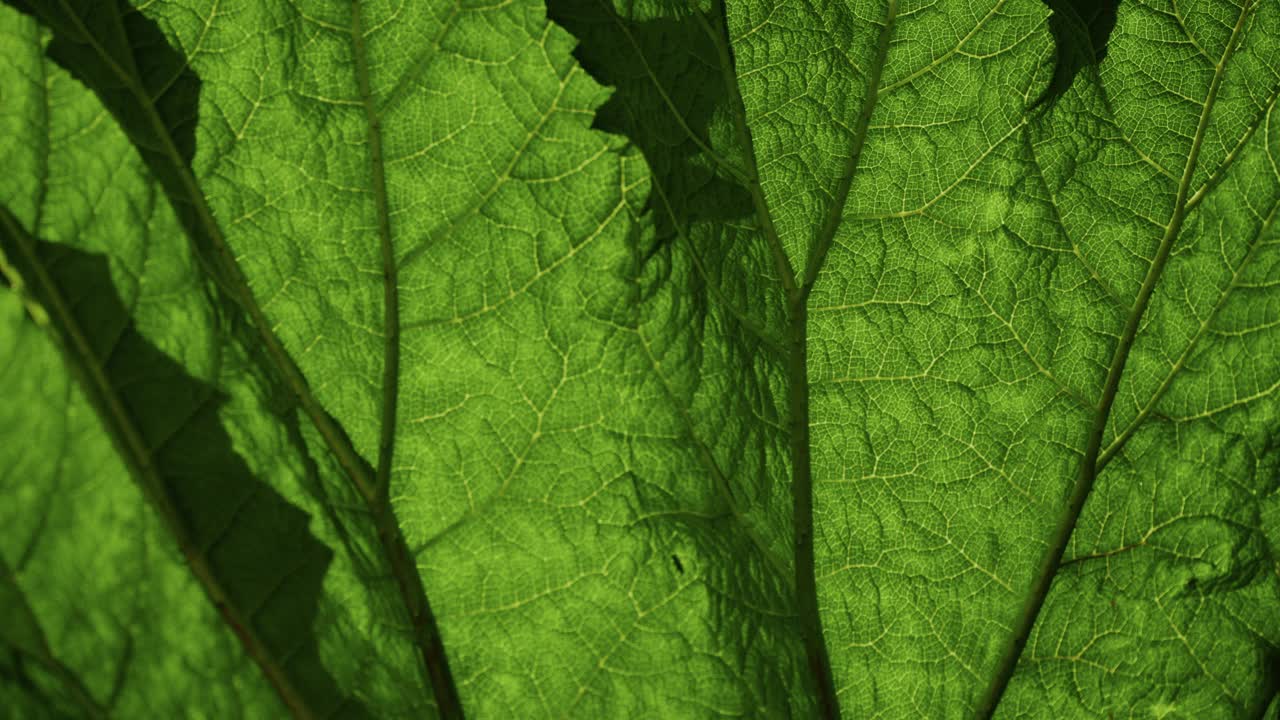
(146, 85)
(645, 60)
(670, 99)
(1081, 30)
(257, 547)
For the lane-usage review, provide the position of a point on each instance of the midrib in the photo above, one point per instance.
(403, 564)
(1089, 466)
(798, 385)
(797, 290)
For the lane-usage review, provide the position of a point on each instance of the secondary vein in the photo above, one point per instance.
(1117, 444)
(720, 38)
(835, 211)
(1089, 466)
(390, 290)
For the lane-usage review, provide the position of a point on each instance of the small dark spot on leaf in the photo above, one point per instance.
(678, 564)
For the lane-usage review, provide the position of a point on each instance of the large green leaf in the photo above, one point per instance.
(874, 358)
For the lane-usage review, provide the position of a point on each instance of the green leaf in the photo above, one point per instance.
(875, 358)
(1019, 316)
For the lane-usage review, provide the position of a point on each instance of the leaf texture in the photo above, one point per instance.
(1002, 298)
(624, 358)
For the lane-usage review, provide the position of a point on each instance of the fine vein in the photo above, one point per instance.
(1089, 465)
(708, 460)
(44, 654)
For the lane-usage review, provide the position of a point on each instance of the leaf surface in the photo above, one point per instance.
(867, 358)
(1026, 314)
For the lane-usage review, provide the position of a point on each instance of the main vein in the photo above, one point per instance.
(403, 565)
(798, 385)
(797, 290)
(1090, 465)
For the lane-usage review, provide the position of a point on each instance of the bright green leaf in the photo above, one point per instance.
(833, 355)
